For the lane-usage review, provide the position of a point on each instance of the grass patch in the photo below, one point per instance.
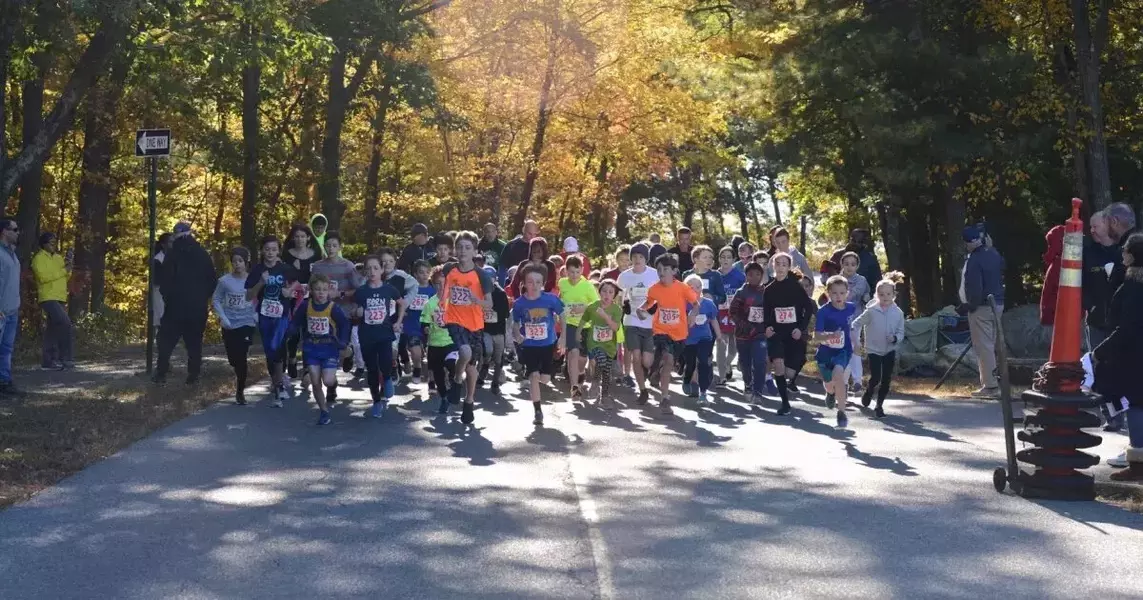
(1124, 495)
(45, 437)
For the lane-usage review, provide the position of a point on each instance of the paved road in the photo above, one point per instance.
(252, 502)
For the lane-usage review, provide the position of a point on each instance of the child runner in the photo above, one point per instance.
(412, 337)
(797, 361)
(407, 286)
(762, 257)
(836, 347)
(442, 353)
(272, 283)
(381, 309)
(444, 243)
(577, 294)
(746, 310)
(712, 287)
(859, 295)
(302, 253)
(537, 315)
(495, 329)
(601, 323)
(732, 280)
(343, 280)
(787, 315)
(325, 333)
(745, 256)
(622, 263)
(637, 334)
(237, 317)
(467, 293)
(700, 343)
(669, 301)
(883, 326)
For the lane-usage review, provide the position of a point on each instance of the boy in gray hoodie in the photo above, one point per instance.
(882, 326)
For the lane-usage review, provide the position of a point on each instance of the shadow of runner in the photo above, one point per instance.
(907, 426)
(883, 463)
(595, 415)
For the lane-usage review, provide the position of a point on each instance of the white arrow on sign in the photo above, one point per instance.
(157, 142)
(143, 143)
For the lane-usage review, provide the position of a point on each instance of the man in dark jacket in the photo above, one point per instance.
(517, 250)
(982, 276)
(186, 283)
(683, 249)
(1120, 225)
(421, 249)
(491, 246)
(1099, 250)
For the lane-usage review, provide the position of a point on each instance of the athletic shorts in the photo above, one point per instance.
(573, 341)
(638, 339)
(273, 334)
(537, 359)
(412, 340)
(827, 364)
(665, 343)
(792, 351)
(326, 356)
(463, 337)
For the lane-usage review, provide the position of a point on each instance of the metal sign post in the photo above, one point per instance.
(152, 144)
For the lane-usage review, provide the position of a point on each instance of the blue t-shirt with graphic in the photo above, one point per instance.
(412, 325)
(704, 322)
(536, 319)
(833, 330)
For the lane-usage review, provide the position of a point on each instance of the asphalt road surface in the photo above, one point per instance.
(727, 502)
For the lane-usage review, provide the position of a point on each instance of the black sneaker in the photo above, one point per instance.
(495, 388)
(347, 364)
(292, 370)
(479, 383)
(879, 413)
(866, 400)
(830, 401)
(539, 419)
(466, 415)
(240, 398)
(432, 384)
(785, 410)
(359, 373)
(792, 387)
(577, 394)
(644, 396)
(331, 394)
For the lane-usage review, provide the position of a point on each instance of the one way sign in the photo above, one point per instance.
(153, 142)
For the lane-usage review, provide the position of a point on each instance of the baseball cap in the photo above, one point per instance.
(571, 245)
(972, 233)
(182, 227)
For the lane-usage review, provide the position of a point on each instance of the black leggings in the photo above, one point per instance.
(378, 357)
(441, 367)
(292, 354)
(880, 375)
(237, 343)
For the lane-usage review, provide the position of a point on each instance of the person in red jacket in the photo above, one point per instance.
(1053, 255)
(537, 255)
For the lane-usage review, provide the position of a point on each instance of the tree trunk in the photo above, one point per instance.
(32, 184)
(921, 259)
(952, 259)
(373, 177)
(96, 187)
(542, 120)
(111, 34)
(251, 104)
(337, 108)
(1089, 48)
(7, 18)
(772, 189)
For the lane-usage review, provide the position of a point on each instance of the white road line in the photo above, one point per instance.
(590, 514)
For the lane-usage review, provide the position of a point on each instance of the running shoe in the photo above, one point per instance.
(842, 420)
(359, 373)
(866, 400)
(277, 403)
(771, 387)
(378, 409)
(665, 408)
(785, 409)
(830, 401)
(466, 415)
(495, 388)
(1119, 462)
(757, 398)
(703, 400)
(389, 391)
(644, 396)
(323, 418)
(539, 418)
(629, 381)
(879, 413)
(416, 381)
(576, 394)
(432, 384)
(792, 387)
(52, 367)
(857, 387)
(240, 398)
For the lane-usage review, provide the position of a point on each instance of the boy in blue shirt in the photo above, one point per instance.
(325, 333)
(836, 344)
(699, 351)
(537, 315)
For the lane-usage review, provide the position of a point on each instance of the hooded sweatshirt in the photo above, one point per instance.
(515, 289)
(320, 238)
(884, 328)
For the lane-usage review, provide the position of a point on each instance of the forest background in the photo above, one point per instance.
(602, 119)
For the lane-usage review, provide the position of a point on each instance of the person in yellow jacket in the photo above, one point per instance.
(52, 271)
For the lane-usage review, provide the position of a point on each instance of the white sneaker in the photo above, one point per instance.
(283, 394)
(1119, 462)
(416, 381)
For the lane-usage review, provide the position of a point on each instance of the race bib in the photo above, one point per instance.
(669, 316)
(419, 302)
(536, 331)
(460, 296)
(637, 296)
(700, 320)
(272, 309)
(757, 314)
(786, 315)
(836, 340)
(438, 318)
(602, 334)
(375, 316)
(236, 301)
(318, 325)
(490, 316)
(705, 284)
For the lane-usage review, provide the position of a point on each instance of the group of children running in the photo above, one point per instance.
(457, 322)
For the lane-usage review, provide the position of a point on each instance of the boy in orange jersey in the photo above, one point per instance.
(466, 295)
(672, 303)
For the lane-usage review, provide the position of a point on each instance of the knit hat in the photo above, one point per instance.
(656, 251)
(642, 248)
(571, 245)
(420, 229)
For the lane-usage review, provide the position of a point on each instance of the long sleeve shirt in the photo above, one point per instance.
(787, 307)
(231, 305)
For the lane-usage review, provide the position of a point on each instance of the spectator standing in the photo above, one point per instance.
(9, 301)
(422, 248)
(187, 283)
(683, 249)
(491, 246)
(861, 242)
(52, 271)
(1120, 225)
(318, 225)
(983, 275)
(162, 247)
(571, 248)
(517, 250)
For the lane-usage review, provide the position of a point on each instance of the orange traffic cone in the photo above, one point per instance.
(1063, 374)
